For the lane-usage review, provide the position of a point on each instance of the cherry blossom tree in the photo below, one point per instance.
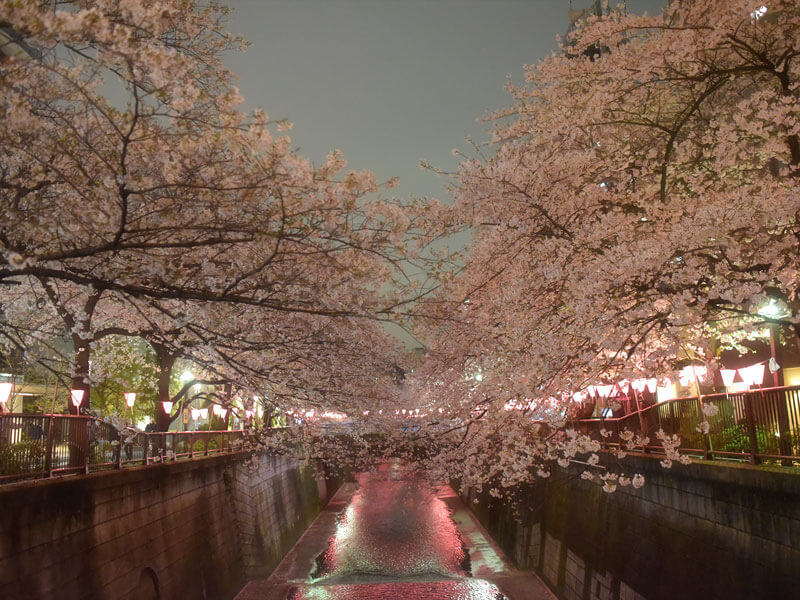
(139, 200)
(632, 200)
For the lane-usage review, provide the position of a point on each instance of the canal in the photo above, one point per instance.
(392, 536)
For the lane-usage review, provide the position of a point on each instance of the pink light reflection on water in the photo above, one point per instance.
(462, 589)
(394, 526)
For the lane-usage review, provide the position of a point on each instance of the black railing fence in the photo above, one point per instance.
(50, 445)
(757, 425)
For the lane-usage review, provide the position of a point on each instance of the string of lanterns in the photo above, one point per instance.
(750, 376)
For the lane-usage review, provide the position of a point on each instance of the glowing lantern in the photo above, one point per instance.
(639, 384)
(652, 383)
(77, 397)
(752, 375)
(167, 406)
(195, 414)
(130, 398)
(203, 413)
(5, 392)
(728, 376)
(604, 391)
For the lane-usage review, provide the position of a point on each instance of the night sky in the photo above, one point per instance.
(390, 82)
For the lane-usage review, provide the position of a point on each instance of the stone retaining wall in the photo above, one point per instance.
(195, 530)
(707, 530)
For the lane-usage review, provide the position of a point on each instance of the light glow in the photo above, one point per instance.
(77, 397)
(752, 375)
(5, 391)
(728, 375)
(604, 390)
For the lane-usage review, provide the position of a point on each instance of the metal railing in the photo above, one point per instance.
(757, 426)
(33, 446)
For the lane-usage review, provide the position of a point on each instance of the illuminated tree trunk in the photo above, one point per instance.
(166, 361)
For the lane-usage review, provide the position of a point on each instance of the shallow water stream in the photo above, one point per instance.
(395, 540)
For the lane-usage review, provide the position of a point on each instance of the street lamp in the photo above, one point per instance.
(774, 309)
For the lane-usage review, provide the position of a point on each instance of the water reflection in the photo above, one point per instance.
(464, 589)
(395, 540)
(394, 526)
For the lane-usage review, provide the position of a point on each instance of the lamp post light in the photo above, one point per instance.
(774, 310)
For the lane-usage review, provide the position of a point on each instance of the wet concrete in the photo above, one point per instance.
(396, 540)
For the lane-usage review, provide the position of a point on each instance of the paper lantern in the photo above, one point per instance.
(752, 375)
(195, 414)
(728, 376)
(167, 406)
(130, 398)
(652, 383)
(5, 391)
(203, 413)
(604, 390)
(623, 386)
(77, 397)
(639, 384)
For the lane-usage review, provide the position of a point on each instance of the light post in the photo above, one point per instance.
(774, 310)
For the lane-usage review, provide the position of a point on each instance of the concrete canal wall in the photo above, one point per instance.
(708, 531)
(194, 530)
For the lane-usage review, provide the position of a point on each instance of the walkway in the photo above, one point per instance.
(411, 548)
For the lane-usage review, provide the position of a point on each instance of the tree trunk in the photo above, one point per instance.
(166, 361)
(80, 374)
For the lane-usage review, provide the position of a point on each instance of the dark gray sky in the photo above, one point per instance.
(390, 82)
